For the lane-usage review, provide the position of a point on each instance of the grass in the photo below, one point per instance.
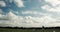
(29, 30)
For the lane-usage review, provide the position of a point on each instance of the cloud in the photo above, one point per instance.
(30, 12)
(2, 17)
(13, 20)
(53, 2)
(33, 12)
(2, 3)
(19, 3)
(51, 9)
(54, 8)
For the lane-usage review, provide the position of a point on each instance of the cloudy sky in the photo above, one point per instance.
(29, 13)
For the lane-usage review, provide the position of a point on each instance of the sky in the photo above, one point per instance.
(29, 13)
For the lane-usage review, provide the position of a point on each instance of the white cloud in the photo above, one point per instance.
(29, 12)
(33, 12)
(53, 2)
(27, 21)
(19, 3)
(2, 3)
(51, 9)
(13, 20)
(2, 17)
(55, 8)
(47, 20)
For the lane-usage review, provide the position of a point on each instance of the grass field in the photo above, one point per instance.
(28, 30)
